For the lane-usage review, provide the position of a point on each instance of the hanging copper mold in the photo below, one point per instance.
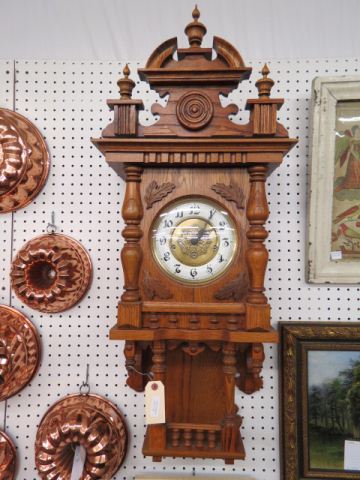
(24, 161)
(19, 351)
(88, 420)
(7, 457)
(51, 273)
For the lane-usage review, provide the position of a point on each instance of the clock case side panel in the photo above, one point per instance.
(228, 291)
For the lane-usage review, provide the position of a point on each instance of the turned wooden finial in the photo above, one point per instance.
(264, 84)
(125, 84)
(195, 30)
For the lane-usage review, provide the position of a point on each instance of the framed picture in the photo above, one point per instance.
(334, 193)
(320, 392)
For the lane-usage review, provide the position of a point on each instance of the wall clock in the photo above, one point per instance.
(194, 313)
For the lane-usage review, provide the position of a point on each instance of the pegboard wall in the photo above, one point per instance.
(67, 102)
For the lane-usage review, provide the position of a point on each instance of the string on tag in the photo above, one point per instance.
(85, 387)
(51, 227)
(150, 375)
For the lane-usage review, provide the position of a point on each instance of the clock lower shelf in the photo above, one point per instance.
(194, 441)
(239, 336)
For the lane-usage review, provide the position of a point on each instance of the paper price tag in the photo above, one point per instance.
(78, 463)
(154, 403)
(336, 255)
(352, 455)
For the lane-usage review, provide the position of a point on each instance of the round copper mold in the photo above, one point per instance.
(51, 273)
(7, 457)
(88, 420)
(194, 110)
(24, 161)
(19, 351)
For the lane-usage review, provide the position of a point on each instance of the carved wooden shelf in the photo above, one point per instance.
(193, 313)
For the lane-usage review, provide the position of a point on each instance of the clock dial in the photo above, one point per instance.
(194, 240)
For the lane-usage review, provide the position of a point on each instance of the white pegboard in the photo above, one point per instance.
(67, 102)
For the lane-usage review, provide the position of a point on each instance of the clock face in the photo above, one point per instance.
(194, 240)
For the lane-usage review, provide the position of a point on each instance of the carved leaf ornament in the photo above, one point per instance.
(154, 192)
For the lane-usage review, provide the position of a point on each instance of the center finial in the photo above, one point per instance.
(195, 30)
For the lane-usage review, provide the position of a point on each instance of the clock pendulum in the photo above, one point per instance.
(193, 313)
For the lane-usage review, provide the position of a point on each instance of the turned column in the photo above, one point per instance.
(131, 254)
(156, 434)
(230, 434)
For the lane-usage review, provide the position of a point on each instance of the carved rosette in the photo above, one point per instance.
(88, 420)
(51, 273)
(7, 457)
(24, 161)
(19, 351)
(194, 110)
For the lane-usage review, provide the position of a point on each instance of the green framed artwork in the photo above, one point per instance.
(320, 392)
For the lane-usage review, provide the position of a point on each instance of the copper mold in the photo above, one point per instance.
(7, 457)
(51, 273)
(24, 161)
(89, 420)
(19, 351)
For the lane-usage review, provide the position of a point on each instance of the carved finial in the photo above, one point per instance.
(125, 84)
(195, 30)
(264, 84)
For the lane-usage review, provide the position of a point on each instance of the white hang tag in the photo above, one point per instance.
(336, 255)
(154, 403)
(78, 463)
(352, 455)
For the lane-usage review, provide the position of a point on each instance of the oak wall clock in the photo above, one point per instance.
(193, 311)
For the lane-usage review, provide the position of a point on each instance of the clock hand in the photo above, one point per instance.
(195, 241)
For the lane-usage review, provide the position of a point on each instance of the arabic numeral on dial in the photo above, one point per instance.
(194, 210)
(209, 270)
(168, 223)
(193, 272)
(162, 240)
(212, 213)
(226, 242)
(167, 256)
(179, 214)
(177, 268)
(222, 259)
(222, 225)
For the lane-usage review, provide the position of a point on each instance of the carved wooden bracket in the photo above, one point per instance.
(231, 192)
(154, 192)
(234, 290)
(154, 288)
(249, 364)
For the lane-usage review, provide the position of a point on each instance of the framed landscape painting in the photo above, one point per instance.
(320, 392)
(334, 194)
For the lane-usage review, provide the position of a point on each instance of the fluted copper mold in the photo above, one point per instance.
(51, 273)
(89, 420)
(19, 351)
(24, 161)
(7, 457)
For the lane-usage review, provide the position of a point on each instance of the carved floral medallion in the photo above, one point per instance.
(194, 110)
(24, 161)
(51, 273)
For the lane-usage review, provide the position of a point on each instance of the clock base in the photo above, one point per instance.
(200, 439)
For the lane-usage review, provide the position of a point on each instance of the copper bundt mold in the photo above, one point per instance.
(51, 273)
(88, 420)
(19, 351)
(7, 457)
(24, 161)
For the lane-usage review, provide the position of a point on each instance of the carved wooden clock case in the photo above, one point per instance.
(193, 311)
